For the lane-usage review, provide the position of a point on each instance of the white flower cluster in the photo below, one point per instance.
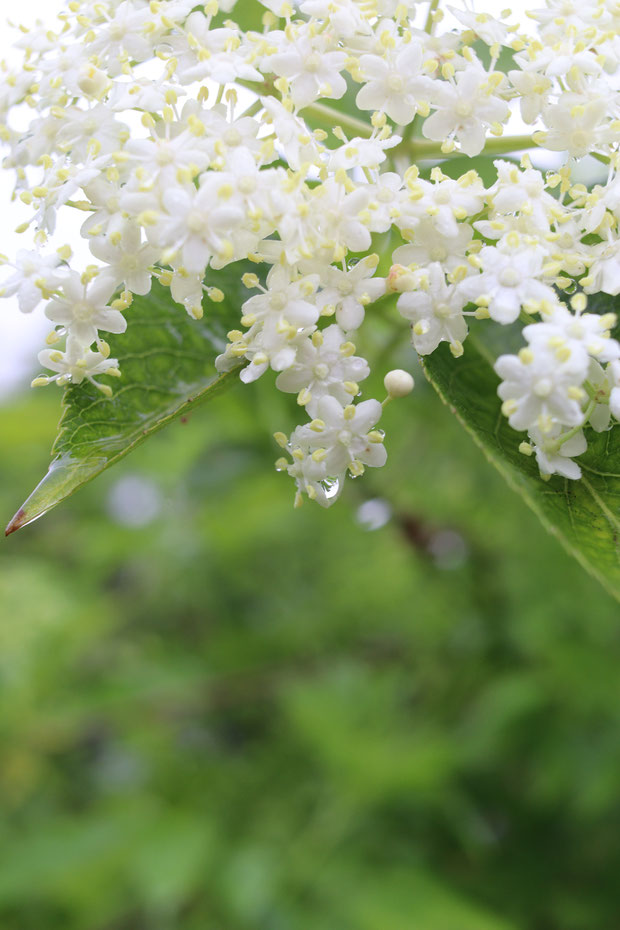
(186, 139)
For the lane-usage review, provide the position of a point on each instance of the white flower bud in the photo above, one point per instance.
(93, 82)
(398, 383)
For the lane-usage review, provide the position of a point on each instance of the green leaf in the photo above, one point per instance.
(167, 363)
(248, 16)
(585, 514)
(406, 899)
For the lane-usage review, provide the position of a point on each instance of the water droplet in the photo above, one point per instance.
(374, 514)
(449, 549)
(331, 486)
(134, 501)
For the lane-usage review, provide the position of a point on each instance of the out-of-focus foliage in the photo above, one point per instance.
(218, 713)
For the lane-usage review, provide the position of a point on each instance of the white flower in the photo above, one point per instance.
(445, 202)
(187, 289)
(83, 308)
(77, 128)
(577, 125)
(144, 93)
(298, 144)
(323, 365)
(604, 382)
(464, 109)
(76, 364)
(273, 344)
(604, 271)
(490, 30)
(310, 473)
(522, 190)
(128, 260)
(541, 387)
(202, 52)
(348, 292)
(581, 333)
(311, 68)
(431, 245)
(343, 219)
(344, 434)
(554, 455)
(393, 84)
(345, 17)
(361, 153)
(508, 280)
(164, 155)
(198, 224)
(283, 299)
(122, 36)
(435, 309)
(34, 275)
(277, 7)
(533, 89)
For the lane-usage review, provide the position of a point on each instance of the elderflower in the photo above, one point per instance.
(188, 143)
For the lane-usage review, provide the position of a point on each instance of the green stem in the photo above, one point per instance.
(590, 390)
(599, 395)
(328, 114)
(427, 149)
(430, 19)
(604, 159)
(573, 432)
(253, 109)
(336, 118)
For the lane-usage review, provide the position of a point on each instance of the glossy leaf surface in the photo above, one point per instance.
(167, 363)
(585, 514)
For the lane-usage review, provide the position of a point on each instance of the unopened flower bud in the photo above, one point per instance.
(398, 383)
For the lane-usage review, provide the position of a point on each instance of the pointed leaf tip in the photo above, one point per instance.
(20, 519)
(168, 368)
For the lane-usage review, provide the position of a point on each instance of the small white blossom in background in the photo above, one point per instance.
(135, 119)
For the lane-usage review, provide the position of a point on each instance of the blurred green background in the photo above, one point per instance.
(219, 713)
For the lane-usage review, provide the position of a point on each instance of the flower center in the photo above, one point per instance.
(164, 156)
(232, 137)
(82, 311)
(579, 140)
(509, 277)
(443, 311)
(463, 108)
(321, 371)
(247, 184)
(195, 221)
(396, 83)
(543, 387)
(129, 262)
(313, 62)
(277, 301)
